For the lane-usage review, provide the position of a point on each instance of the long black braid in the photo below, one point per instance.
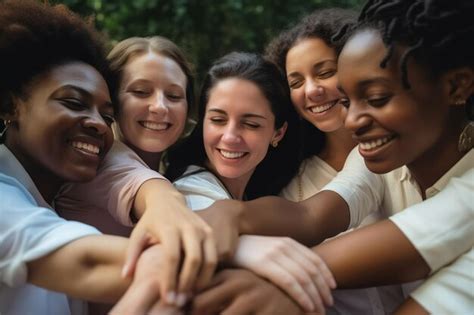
(438, 33)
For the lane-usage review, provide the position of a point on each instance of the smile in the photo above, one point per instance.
(375, 144)
(322, 108)
(154, 126)
(86, 147)
(231, 154)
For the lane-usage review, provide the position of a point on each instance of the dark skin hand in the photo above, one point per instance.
(237, 291)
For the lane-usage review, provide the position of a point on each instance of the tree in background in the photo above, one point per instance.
(206, 29)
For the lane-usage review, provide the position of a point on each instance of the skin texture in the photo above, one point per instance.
(240, 124)
(153, 103)
(311, 68)
(152, 117)
(68, 104)
(417, 127)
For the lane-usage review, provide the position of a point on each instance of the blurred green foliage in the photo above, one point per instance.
(205, 29)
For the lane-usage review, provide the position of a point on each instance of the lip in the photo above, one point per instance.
(370, 148)
(321, 108)
(155, 126)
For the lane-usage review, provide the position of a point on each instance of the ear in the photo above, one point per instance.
(461, 81)
(279, 133)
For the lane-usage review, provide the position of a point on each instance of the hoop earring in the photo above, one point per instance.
(274, 143)
(466, 138)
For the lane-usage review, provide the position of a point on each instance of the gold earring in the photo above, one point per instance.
(466, 138)
(274, 143)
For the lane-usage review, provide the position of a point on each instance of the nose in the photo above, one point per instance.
(231, 134)
(313, 90)
(158, 104)
(95, 122)
(357, 119)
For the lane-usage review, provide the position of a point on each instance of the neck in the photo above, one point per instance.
(235, 186)
(47, 183)
(439, 159)
(339, 144)
(152, 159)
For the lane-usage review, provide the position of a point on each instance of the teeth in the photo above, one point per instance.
(232, 155)
(322, 108)
(90, 148)
(375, 143)
(155, 126)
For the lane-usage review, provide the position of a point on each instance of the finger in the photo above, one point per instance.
(138, 242)
(137, 300)
(210, 262)
(172, 253)
(220, 293)
(159, 308)
(192, 262)
(312, 267)
(279, 273)
(319, 262)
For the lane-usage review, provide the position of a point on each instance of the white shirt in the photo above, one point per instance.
(30, 229)
(200, 187)
(314, 174)
(364, 192)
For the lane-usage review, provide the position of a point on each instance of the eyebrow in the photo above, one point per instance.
(376, 80)
(247, 115)
(83, 92)
(316, 66)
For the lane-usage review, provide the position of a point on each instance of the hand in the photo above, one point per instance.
(237, 291)
(167, 220)
(144, 292)
(293, 267)
(223, 217)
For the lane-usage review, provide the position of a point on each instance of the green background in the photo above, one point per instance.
(205, 29)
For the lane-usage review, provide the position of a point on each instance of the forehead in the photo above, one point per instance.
(311, 50)
(77, 74)
(151, 66)
(238, 95)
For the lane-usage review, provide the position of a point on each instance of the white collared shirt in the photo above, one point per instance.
(30, 229)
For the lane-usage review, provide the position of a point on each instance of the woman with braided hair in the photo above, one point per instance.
(407, 71)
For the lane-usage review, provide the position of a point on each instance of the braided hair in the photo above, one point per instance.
(438, 33)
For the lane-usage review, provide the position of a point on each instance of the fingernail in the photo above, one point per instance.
(171, 298)
(181, 299)
(333, 284)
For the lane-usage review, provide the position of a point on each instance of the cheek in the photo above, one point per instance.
(297, 98)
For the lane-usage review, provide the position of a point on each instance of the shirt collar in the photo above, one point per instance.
(461, 167)
(10, 166)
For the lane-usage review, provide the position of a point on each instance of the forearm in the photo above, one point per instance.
(378, 254)
(157, 194)
(309, 222)
(88, 268)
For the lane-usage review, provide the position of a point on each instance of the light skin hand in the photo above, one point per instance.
(165, 219)
(223, 217)
(237, 291)
(293, 267)
(143, 295)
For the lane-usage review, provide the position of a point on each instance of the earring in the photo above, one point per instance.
(274, 143)
(466, 138)
(460, 101)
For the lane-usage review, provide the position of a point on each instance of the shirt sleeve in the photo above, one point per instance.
(200, 190)
(29, 232)
(442, 227)
(113, 189)
(362, 190)
(450, 290)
